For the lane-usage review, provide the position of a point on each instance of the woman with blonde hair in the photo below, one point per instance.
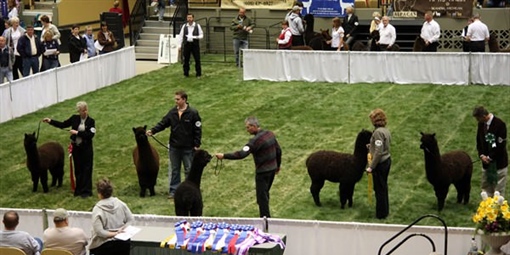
(12, 35)
(381, 161)
(376, 20)
(51, 50)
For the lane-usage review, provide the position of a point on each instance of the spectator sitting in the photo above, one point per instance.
(10, 237)
(48, 26)
(64, 237)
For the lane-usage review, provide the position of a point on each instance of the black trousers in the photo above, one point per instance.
(477, 46)
(431, 47)
(263, 183)
(297, 40)
(114, 247)
(17, 67)
(83, 159)
(188, 49)
(380, 178)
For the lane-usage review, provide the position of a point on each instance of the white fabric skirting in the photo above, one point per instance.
(303, 236)
(372, 67)
(41, 90)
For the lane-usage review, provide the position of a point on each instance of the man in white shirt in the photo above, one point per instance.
(477, 34)
(387, 34)
(10, 237)
(64, 237)
(430, 33)
(188, 41)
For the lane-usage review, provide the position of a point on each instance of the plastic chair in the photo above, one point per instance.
(50, 251)
(11, 251)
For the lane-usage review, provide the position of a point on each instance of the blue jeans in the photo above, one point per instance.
(5, 72)
(30, 63)
(177, 157)
(238, 45)
(49, 63)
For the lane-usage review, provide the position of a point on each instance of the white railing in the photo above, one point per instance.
(41, 90)
(372, 67)
(303, 236)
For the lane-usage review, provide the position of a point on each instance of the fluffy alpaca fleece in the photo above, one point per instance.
(442, 170)
(146, 160)
(346, 169)
(50, 156)
(188, 197)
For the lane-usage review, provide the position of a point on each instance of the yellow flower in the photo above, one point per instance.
(492, 214)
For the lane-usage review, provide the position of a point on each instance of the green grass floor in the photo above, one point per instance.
(305, 117)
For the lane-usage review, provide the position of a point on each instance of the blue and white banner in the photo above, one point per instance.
(326, 8)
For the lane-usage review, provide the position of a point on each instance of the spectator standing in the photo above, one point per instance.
(83, 129)
(387, 34)
(465, 42)
(77, 44)
(109, 216)
(106, 39)
(12, 7)
(64, 237)
(160, 9)
(430, 33)
(185, 137)
(6, 61)
(12, 36)
(51, 50)
(267, 155)
(491, 137)
(116, 8)
(337, 35)
(89, 40)
(374, 24)
(29, 48)
(296, 26)
(350, 26)
(477, 34)
(10, 237)
(47, 26)
(188, 40)
(381, 161)
(242, 26)
(284, 41)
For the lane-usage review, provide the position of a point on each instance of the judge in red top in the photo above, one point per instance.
(285, 39)
(116, 8)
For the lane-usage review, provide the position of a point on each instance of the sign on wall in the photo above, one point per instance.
(326, 8)
(439, 8)
(257, 4)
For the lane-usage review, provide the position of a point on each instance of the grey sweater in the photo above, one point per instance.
(380, 146)
(108, 214)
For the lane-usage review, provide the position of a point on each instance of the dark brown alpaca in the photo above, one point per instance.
(188, 197)
(442, 170)
(347, 169)
(50, 156)
(146, 160)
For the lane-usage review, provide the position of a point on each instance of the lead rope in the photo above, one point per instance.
(216, 169)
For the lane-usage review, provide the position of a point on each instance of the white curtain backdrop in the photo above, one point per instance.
(303, 236)
(490, 68)
(371, 67)
(50, 87)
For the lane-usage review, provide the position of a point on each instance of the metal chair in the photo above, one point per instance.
(11, 251)
(50, 251)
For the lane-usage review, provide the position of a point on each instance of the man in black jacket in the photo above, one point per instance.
(185, 137)
(29, 48)
(491, 146)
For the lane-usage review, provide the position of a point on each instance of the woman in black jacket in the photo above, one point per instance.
(77, 44)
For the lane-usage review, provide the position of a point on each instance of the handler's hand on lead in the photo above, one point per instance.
(46, 120)
(219, 155)
(148, 132)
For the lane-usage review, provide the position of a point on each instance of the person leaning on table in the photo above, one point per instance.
(109, 216)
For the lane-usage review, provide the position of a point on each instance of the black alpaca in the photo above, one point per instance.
(146, 160)
(452, 167)
(50, 156)
(188, 197)
(347, 169)
(309, 34)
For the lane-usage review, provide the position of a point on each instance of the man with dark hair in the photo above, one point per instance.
(241, 26)
(491, 146)
(188, 41)
(267, 155)
(10, 237)
(185, 137)
(64, 237)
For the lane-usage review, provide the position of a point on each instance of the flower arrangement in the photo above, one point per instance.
(492, 215)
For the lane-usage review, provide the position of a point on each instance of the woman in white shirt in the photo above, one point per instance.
(12, 8)
(337, 34)
(12, 36)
